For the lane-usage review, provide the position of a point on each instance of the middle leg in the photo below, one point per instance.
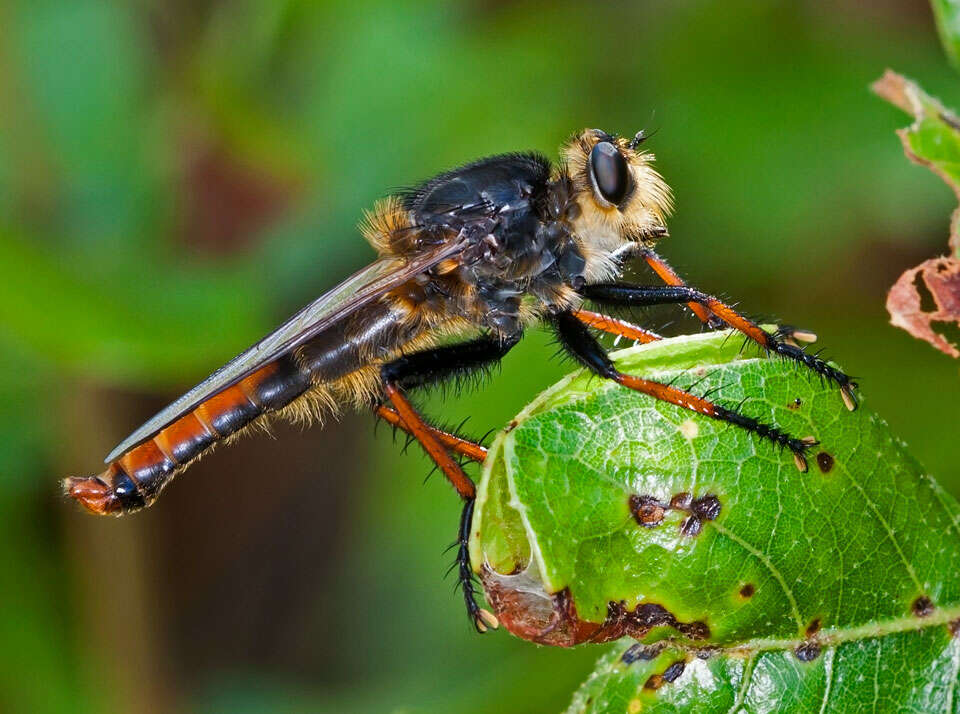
(575, 338)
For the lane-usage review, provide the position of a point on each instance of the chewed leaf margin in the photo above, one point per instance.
(933, 141)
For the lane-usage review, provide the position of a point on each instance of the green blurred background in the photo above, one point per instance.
(177, 177)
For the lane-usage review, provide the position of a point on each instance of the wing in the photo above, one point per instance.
(359, 289)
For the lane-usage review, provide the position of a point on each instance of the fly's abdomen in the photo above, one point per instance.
(135, 479)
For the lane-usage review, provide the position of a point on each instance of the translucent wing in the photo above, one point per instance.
(356, 291)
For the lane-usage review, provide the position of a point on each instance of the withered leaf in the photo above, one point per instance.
(933, 140)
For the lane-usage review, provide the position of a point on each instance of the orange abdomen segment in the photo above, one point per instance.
(135, 479)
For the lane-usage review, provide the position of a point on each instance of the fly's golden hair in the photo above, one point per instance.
(387, 227)
(601, 226)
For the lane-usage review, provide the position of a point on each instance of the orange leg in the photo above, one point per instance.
(669, 276)
(578, 341)
(644, 296)
(620, 328)
(472, 451)
(436, 442)
(423, 433)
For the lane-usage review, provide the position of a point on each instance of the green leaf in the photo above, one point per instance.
(806, 588)
(947, 14)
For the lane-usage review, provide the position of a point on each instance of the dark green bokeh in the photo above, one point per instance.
(177, 177)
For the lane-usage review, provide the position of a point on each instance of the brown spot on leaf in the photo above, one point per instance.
(795, 404)
(922, 606)
(825, 461)
(954, 627)
(747, 591)
(647, 511)
(654, 682)
(807, 652)
(553, 619)
(691, 526)
(813, 628)
(640, 651)
(707, 508)
(670, 674)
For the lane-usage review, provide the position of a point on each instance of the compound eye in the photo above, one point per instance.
(609, 172)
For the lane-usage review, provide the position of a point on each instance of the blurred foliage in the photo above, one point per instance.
(176, 177)
(947, 14)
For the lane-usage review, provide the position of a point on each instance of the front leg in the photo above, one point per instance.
(577, 340)
(642, 296)
(669, 276)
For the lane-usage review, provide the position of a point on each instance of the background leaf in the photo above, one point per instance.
(947, 14)
(824, 586)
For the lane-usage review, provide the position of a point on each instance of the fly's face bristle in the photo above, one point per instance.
(620, 196)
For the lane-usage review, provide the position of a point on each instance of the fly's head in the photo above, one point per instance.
(620, 198)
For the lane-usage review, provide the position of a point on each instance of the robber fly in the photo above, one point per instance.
(481, 252)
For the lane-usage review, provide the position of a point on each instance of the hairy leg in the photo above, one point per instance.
(641, 296)
(585, 349)
(422, 369)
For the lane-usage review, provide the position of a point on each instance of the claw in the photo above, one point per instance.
(849, 398)
(485, 620)
(804, 335)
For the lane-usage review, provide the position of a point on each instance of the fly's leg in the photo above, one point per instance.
(669, 276)
(642, 296)
(585, 349)
(481, 618)
(620, 328)
(430, 367)
(435, 450)
(454, 443)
